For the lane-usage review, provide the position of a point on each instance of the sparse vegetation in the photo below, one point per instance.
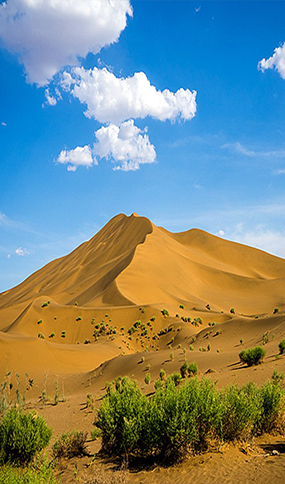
(70, 444)
(165, 312)
(281, 347)
(181, 306)
(147, 379)
(232, 310)
(275, 310)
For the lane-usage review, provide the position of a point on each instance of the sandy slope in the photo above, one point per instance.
(129, 272)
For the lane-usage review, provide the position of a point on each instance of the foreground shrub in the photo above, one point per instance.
(22, 436)
(70, 444)
(179, 417)
(252, 356)
(281, 347)
(192, 369)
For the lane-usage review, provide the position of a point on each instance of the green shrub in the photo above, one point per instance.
(22, 436)
(181, 306)
(232, 310)
(275, 310)
(70, 444)
(281, 347)
(252, 356)
(147, 379)
(52, 335)
(273, 405)
(192, 369)
(162, 374)
(41, 336)
(165, 312)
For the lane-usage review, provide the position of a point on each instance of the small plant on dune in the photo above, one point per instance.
(56, 396)
(277, 377)
(79, 318)
(165, 312)
(44, 305)
(177, 315)
(70, 444)
(153, 318)
(209, 347)
(192, 369)
(275, 310)
(181, 306)
(265, 338)
(39, 321)
(87, 341)
(252, 356)
(76, 303)
(52, 335)
(191, 348)
(281, 347)
(148, 366)
(41, 336)
(90, 402)
(147, 379)
(171, 356)
(183, 370)
(162, 374)
(22, 436)
(241, 341)
(63, 334)
(232, 310)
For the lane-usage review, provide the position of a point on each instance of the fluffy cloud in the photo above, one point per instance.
(80, 156)
(50, 34)
(110, 99)
(125, 145)
(276, 61)
(22, 252)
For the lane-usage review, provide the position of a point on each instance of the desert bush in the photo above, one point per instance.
(252, 356)
(275, 310)
(41, 336)
(232, 310)
(70, 444)
(22, 436)
(281, 347)
(179, 417)
(181, 306)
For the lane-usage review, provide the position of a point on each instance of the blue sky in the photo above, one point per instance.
(214, 160)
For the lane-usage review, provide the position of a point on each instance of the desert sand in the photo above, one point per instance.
(69, 323)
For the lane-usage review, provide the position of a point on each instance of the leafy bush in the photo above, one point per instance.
(95, 433)
(275, 310)
(232, 310)
(22, 436)
(252, 356)
(281, 347)
(121, 417)
(70, 444)
(165, 312)
(147, 379)
(181, 306)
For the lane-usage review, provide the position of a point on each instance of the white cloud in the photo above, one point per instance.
(126, 145)
(221, 233)
(262, 238)
(50, 34)
(80, 156)
(280, 172)
(3, 124)
(239, 148)
(110, 99)
(276, 61)
(8, 256)
(51, 99)
(22, 252)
